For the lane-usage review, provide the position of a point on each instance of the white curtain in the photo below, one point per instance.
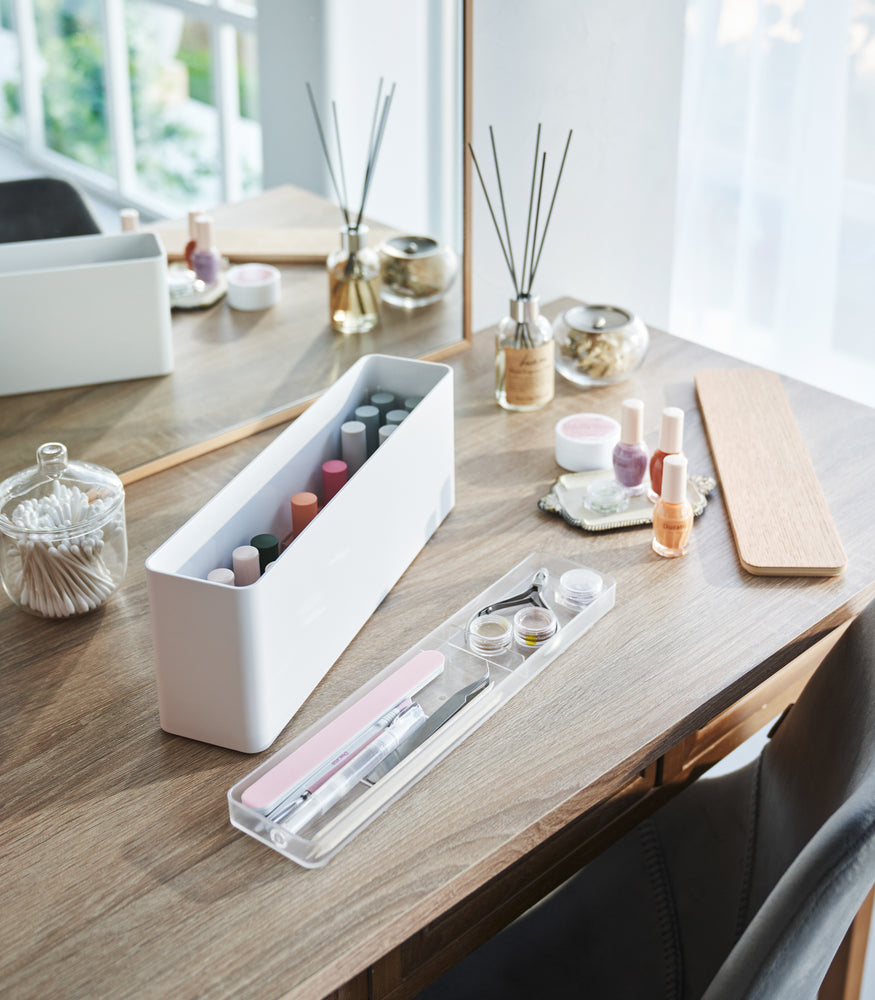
(775, 238)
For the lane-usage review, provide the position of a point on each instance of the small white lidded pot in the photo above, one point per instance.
(585, 441)
(63, 541)
(253, 286)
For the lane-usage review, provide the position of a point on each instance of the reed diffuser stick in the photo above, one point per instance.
(494, 220)
(374, 153)
(503, 209)
(532, 198)
(339, 152)
(375, 142)
(340, 200)
(522, 282)
(552, 203)
(537, 217)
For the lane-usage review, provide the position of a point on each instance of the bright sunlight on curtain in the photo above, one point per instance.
(775, 242)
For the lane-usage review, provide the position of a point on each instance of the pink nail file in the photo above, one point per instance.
(291, 770)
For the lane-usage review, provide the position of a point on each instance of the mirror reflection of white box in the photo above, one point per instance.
(83, 309)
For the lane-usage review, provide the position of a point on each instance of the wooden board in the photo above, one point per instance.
(778, 512)
(283, 245)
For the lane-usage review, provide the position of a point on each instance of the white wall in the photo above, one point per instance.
(612, 72)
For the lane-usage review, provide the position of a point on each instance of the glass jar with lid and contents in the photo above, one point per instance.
(599, 344)
(63, 543)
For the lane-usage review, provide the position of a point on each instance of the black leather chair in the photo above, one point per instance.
(40, 208)
(742, 887)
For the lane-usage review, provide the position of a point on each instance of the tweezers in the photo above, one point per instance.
(530, 596)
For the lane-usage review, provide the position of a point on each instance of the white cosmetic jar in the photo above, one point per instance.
(253, 286)
(586, 441)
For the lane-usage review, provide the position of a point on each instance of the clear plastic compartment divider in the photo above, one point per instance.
(470, 688)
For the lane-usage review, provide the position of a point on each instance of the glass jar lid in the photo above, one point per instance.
(57, 496)
(597, 319)
(410, 247)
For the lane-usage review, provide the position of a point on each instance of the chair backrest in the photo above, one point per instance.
(813, 857)
(41, 208)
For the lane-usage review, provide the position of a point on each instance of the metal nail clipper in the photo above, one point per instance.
(530, 596)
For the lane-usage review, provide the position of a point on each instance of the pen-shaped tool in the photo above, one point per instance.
(320, 775)
(451, 707)
(316, 803)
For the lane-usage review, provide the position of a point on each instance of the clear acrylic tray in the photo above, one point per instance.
(309, 800)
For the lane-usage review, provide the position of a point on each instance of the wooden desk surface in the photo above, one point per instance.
(122, 874)
(231, 367)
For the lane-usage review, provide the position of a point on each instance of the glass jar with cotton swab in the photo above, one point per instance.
(63, 541)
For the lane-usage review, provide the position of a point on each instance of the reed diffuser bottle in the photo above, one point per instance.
(524, 372)
(354, 268)
(354, 283)
(524, 378)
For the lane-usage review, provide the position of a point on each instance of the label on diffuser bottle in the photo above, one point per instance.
(528, 375)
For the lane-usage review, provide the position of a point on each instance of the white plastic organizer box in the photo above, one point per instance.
(84, 309)
(234, 663)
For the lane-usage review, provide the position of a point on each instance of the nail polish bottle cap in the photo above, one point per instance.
(268, 548)
(333, 477)
(384, 401)
(203, 232)
(353, 445)
(246, 566)
(632, 421)
(304, 509)
(671, 430)
(674, 479)
(193, 215)
(221, 575)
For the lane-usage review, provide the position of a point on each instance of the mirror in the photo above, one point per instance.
(240, 372)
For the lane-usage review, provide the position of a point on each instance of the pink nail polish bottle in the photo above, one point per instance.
(630, 453)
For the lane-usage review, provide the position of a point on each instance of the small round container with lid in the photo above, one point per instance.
(533, 626)
(415, 271)
(489, 635)
(63, 542)
(599, 344)
(578, 588)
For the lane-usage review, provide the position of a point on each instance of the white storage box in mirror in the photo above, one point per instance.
(234, 664)
(84, 309)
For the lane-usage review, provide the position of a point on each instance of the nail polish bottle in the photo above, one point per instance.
(671, 442)
(673, 515)
(206, 259)
(191, 246)
(630, 453)
(130, 220)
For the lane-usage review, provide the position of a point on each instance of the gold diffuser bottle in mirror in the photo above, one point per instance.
(354, 268)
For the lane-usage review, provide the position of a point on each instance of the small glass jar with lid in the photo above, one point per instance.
(599, 344)
(415, 271)
(63, 542)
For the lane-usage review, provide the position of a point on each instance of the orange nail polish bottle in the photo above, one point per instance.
(673, 515)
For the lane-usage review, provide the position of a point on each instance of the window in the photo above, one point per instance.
(775, 236)
(154, 100)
